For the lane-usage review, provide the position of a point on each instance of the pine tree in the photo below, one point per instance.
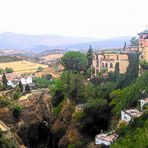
(4, 80)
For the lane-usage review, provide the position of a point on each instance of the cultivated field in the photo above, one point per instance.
(23, 66)
(52, 56)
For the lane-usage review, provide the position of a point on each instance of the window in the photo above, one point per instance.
(97, 63)
(117, 57)
(103, 65)
(97, 71)
(106, 65)
(111, 65)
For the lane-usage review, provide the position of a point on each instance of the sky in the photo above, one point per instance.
(77, 18)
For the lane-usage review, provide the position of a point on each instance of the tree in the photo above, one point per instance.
(1, 70)
(73, 85)
(16, 110)
(8, 70)
(74, 61)
(134, 41)
(96, 117)
(21, 86)
(27, 88)
(90, 56)
(4, 80)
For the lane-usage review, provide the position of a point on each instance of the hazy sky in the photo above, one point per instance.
(78, 18)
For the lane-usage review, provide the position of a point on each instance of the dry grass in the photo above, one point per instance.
(23, 66)
(52, 56)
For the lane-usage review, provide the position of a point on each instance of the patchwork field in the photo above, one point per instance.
(23, 66)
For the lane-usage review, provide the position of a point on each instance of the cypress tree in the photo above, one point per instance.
(21, 86)
(4, 80)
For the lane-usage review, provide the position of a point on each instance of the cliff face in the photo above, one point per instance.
(34, 122)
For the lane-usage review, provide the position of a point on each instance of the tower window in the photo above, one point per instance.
(111, 65)
(106, 65)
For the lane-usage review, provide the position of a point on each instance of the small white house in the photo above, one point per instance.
(28, 80)
(130, 114)
(106, 139)
(10, 83)
(143, 102)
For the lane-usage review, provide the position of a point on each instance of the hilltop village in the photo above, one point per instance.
(95, 99)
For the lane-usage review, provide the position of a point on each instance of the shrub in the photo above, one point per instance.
(16, 110)
(8, 70)
(16, 95)
(4, 102)
(57, 109)
(79, 115)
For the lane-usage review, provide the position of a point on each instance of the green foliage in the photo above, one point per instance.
(6, 143)
(129, 96)
(133, 68)
(134, 41)
(4, 59)
(78, 144)
(4, 102)
(57, 92)
(4, 80)
(21, 86)
(79, 115)
(90, 56)
(73, 85)
(8, 70)
(57, 109)
(16, 95)
(74, 61)
(1, 70)
(133, 135)
(40, 69)
(144, 64)
(96, 117)
(42, 82)
(16, 110)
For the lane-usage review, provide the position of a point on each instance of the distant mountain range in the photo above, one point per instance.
(39, 43)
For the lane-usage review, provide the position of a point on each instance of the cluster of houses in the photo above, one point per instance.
(106, 60)
(14, 79)
(127, 116)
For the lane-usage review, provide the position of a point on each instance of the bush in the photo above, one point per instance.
(6, 143)
(9, 70)
(16, 110)
(78, 144)
(1, 70)
(57, 110)
(16, 95)
(79, 115)
(4, 102)
(40, 69)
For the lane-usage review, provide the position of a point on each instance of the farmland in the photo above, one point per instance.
(52, 56)
(23, 66)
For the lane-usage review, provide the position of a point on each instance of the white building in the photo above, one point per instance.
(28, 80)
(106, 139)
(143, 102)
(130, 114)
(10, 83)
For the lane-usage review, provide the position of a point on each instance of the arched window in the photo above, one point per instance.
(111, 65)
(106, 65)
(103, 65)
